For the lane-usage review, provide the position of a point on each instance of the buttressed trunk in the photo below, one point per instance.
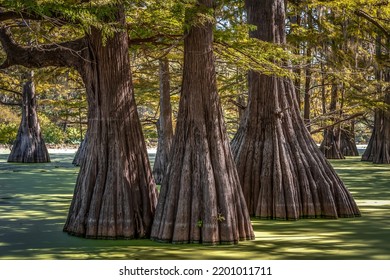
(115, 195)
(378, 148)
(282, 172)
(347, 143)
(29, 145)
(200, 199)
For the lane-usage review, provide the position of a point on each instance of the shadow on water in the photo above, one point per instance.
(34, 200)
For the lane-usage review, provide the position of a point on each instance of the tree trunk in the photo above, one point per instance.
(81, 152)
(308, 74)
(378, 148)
(29, 145)
(115, 194)
(200, 199)
(283, 174)
(347, 141)
(165, 128)
(307, 99)
(330, 145)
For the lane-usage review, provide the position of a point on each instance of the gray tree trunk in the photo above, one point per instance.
(29, 145)
(201, 200)
(282, 172)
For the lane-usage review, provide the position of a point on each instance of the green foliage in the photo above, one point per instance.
(8, 132)
(72, 135)
(9, 125)
(51, 133)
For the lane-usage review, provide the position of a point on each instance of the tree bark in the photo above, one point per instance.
(347, 140)
(81, 152)
(165, 128)
(115, 195)
(308, 74)
(201, 200)
(378, 148)
(29, 145)
(330, 145)
(282, 172)
(307, 99)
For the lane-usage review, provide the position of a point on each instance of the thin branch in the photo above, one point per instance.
(156, 39)
(373, 21)
(57, 19)
(10, 103)
(238, 104)
(339, 121)
(11, 91)
(18, 15)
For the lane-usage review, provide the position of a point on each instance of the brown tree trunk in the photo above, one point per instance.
(29, 145)
(330, 145)
(283, 174)
(165, 128)
(378, 148)
(81, 152)
(347, 140)
(307, 99)
(308, 74)
(115, 195)
(200, 199)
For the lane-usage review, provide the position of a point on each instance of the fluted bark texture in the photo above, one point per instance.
(115, 195)
(201, 200)
(282, 172)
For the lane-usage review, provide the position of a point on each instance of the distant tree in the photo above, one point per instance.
(165, 126)
(378, 148)
(29, 145)
(331, 143)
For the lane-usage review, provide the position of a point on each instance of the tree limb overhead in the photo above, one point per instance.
(67, 54)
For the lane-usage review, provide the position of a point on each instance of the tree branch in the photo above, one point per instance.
(156, 39)
(18, 15)
(57, 18)
(11, 91)
(335, 123)
(66, 54)
(373, 21)
(9, 103)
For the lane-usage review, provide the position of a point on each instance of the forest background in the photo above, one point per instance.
(339, 53)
